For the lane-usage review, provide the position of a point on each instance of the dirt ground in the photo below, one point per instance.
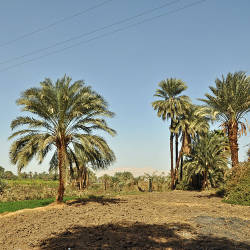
(172, 220)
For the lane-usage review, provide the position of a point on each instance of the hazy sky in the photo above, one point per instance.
(195, 44)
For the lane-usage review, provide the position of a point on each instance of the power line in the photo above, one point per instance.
(106, 34)
(54, 23)
(90, 32)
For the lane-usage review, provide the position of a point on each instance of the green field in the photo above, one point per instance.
(32, 182)
(12, 206)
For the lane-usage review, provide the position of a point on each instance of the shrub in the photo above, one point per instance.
(3, 185)
(184, 185)
(237, 188)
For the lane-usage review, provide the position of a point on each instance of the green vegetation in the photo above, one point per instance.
(170, 107)
(63, 117)
(29, 189)
(13, 206)
(237, 188)
(121, 182)
(208, 158)
(2, 186)
(191, 126)
(202, 161)
(229, 103)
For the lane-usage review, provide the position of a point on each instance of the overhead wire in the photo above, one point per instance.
(90, 32)
(106, 34)
(54, 23)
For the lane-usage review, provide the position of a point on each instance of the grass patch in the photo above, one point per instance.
(12, 206)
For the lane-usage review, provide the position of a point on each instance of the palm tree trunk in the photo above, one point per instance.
(205, 180)
(181, 152)
(85, 176)
(181, 169)
(233, 141)
(176, 149)
(61, 167)
(171, 158)
(176, 159)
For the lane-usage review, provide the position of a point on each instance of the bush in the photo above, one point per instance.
(237, 188)
(183, 185)
(3, 185)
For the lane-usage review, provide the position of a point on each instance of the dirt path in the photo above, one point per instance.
(173, 220)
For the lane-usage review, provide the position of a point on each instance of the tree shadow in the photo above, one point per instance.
(212, 195)
(138, 236)
(92, 198)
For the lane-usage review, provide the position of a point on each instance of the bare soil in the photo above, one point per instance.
(172, 220)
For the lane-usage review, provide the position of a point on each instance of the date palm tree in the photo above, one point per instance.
(190, 125)
(61, 116)
(229, 103)
(99, 156)
(93, 156)
(171, 105)
(208, 157)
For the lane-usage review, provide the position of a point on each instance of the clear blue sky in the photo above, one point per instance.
(196, 44)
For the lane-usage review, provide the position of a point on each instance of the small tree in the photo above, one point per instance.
(9, 175)
(2, 184)
(106, 181)
(207, 157)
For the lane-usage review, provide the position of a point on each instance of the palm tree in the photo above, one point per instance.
(99, 157)
(170, 107)
(190, 125)
(61, 116)
(105, 180)
(229, 103)
(208, 157)
(95, 156)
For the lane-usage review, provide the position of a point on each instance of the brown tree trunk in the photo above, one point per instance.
(176, 149)
(85, 178)
(185, 149)
(186, 143)
(233, 141)
(181, 169)
(205, 181)
(61, 167)
(172, 163)
(181, 152)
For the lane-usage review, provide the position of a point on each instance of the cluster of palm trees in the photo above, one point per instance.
(62, 116)
(204, 151)
(118, 181)
(125, 181)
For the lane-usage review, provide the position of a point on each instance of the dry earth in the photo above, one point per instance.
(172, 220)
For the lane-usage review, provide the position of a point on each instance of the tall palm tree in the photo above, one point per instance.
(208, 157)
(190, 125)
(170, 107)
(229, 103)
(61, 116)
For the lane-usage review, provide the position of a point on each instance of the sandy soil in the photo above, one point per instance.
(173, 220)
